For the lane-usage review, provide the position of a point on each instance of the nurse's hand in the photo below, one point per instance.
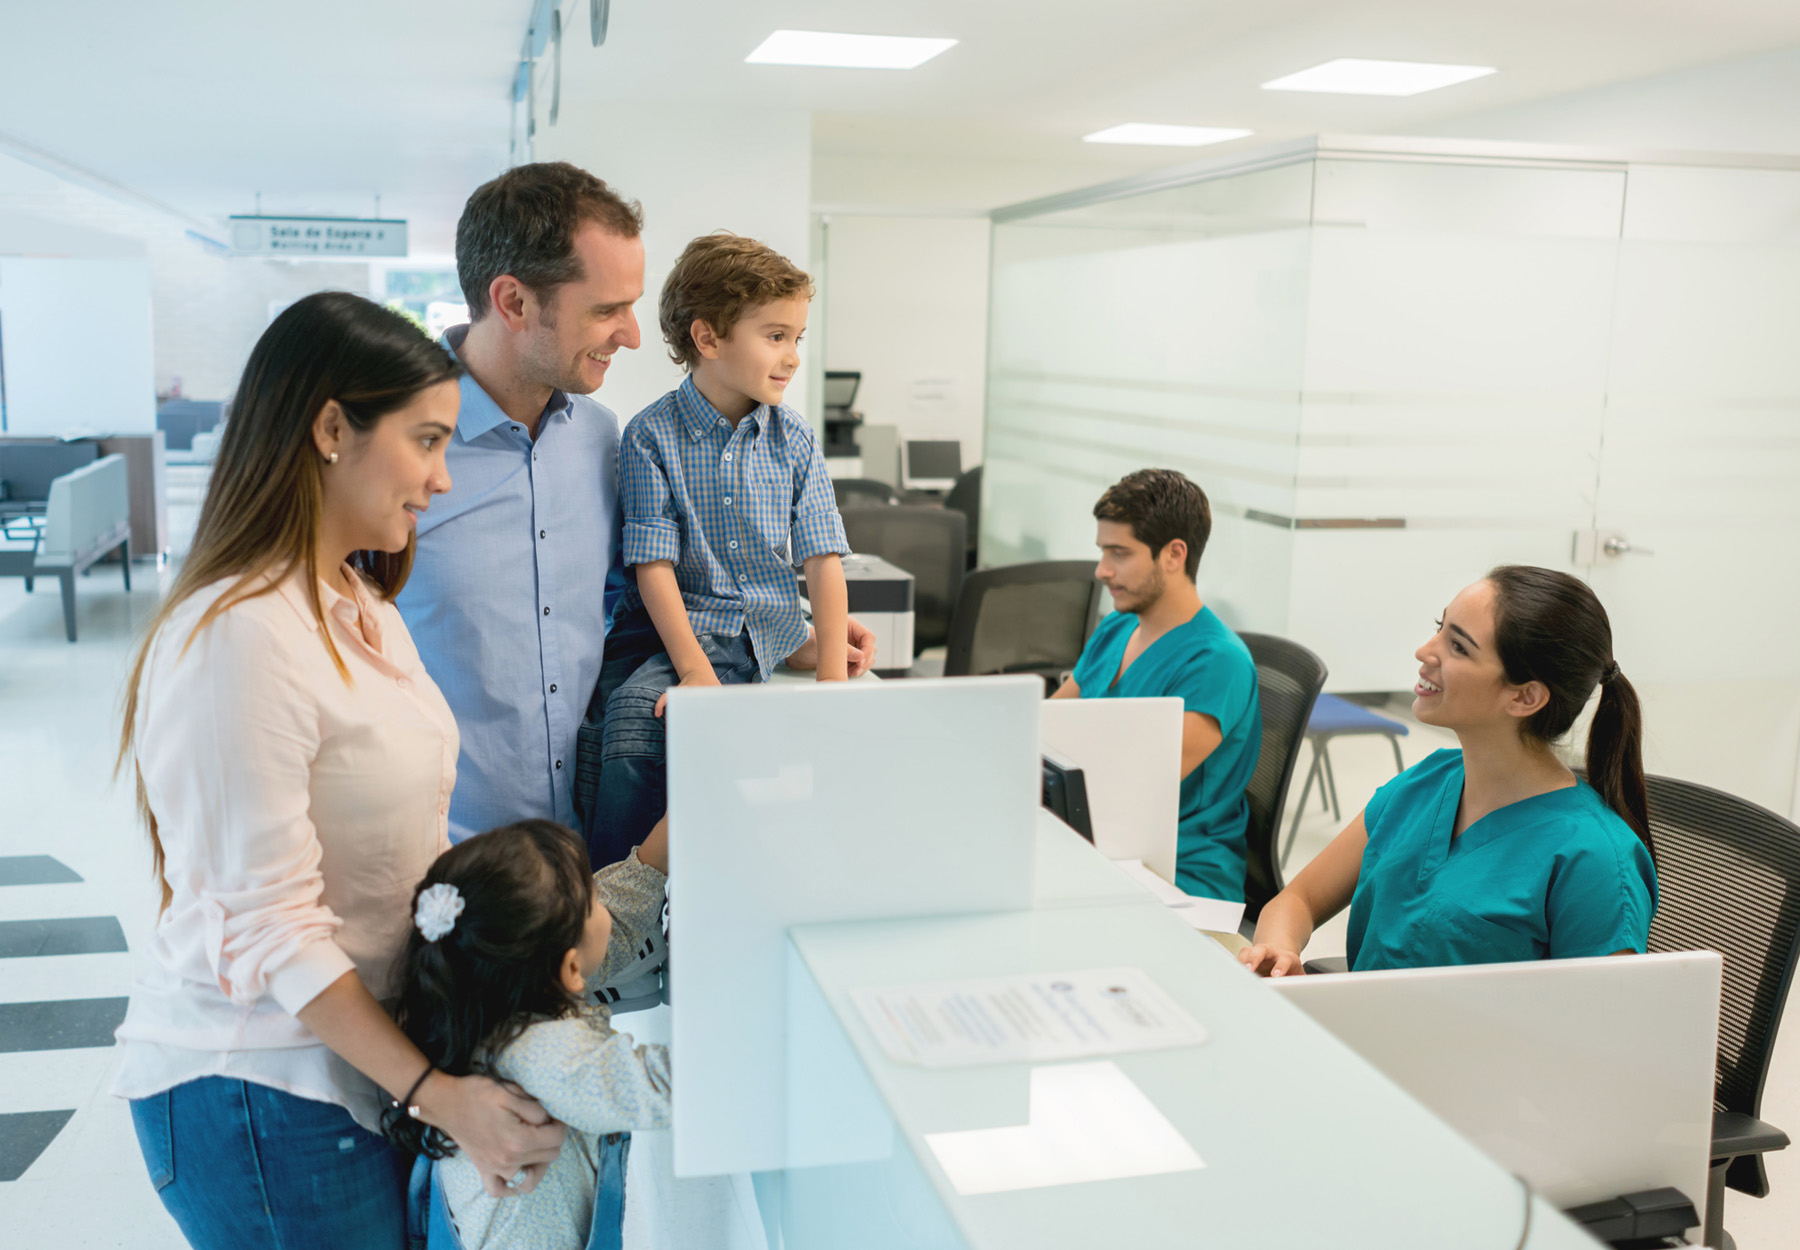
(1270, 961)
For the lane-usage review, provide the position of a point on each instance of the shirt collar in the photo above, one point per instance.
(479, 412)
(354, 612)
(699, 416)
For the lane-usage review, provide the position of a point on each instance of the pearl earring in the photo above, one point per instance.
(331, 459)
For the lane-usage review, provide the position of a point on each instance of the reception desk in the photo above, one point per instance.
(1303, 1143)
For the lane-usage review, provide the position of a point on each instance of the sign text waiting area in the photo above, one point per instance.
(316, 236)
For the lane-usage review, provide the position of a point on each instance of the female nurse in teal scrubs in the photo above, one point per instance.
(1496, 852)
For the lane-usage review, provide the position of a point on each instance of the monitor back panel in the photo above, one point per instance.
(1590, 1078)
(803, 803)
(1129, 753)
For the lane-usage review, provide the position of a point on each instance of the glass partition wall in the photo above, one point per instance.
(1393, 364)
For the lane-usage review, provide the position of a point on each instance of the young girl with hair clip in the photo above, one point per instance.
(1496, 852)
(509, 930)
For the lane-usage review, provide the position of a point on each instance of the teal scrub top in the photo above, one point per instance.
(1554, 876)
(1209, 669)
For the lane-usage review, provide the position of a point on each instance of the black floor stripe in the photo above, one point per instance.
(23, 1137)
(35, 870)
(71, 1024)
(84, 935)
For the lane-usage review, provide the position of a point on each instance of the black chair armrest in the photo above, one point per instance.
(1329, 964)
(1735, 1133)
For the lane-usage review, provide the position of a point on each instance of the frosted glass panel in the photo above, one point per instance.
(1166, 331)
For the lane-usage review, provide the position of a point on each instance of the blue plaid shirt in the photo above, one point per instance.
(737, 510)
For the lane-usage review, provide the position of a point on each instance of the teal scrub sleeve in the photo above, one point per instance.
(1212, 685)
(1600, 901)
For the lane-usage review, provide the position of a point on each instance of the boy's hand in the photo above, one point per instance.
(702, 675)
(861, 651)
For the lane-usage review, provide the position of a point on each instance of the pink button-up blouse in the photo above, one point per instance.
(297, 811)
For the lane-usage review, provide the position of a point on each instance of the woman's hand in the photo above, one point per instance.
(699, 675)
(1271, 961)
(504, 1134)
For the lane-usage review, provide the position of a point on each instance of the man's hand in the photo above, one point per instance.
(861, 651)
(699, 675)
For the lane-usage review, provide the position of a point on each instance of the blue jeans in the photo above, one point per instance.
(634, 784)
(245, 1167)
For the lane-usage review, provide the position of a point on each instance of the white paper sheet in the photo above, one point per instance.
(1088, 1122)
(1065, 1015)
(1215, 915)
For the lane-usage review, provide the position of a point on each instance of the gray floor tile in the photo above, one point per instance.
(80, 935)
(67, 1025)
(35, 870)
(23, 1136)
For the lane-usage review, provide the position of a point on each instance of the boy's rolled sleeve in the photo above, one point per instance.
(650, 530)
(817, 528)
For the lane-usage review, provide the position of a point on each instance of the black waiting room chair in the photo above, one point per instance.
(965, 497)
(1023, 618)
(1728, 873)
(926, 542)
(1288, 681)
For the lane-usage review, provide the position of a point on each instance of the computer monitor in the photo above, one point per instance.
(1589, 1078)
(1065, 794)
(840, 387)
(930, 464)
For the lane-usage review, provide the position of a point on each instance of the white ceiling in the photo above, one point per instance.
(321, 106)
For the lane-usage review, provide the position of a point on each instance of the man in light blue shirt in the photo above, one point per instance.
(518, 564)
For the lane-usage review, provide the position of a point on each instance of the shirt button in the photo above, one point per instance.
(546, 611)
(741, 577)
(405, 684)
(559, 763)
(552, 687)
(541, 533)
(722, 421)
(734, 545)
(728, 501)
(728, 455)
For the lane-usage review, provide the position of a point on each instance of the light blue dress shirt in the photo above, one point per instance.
(510, 596)
(1555, 876)
(735, 509)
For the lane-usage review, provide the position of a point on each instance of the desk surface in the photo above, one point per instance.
(1305, 1144)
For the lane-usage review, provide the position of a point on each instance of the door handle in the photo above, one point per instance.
(1618, 545)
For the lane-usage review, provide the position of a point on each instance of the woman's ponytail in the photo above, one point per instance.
(1549, 627)
(1615, 754)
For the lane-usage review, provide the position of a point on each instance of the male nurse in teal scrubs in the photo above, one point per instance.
(1163, 641)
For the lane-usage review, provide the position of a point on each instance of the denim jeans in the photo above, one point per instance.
(245, 1167)
(634, 787)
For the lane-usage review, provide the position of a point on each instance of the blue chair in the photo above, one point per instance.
(1333, 717)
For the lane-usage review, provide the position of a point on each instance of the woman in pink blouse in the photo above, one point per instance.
(294, 764)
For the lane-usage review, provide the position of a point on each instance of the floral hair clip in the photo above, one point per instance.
(438, 908)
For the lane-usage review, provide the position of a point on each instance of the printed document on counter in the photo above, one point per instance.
(1064, 1015)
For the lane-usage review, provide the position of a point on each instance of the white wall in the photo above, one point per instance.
(907, 306)
(207, 308)
(695, 171)
(76, 338)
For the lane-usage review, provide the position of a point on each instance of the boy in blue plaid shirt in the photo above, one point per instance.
(724, 492)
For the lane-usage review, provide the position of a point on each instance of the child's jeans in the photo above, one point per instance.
(634, 787)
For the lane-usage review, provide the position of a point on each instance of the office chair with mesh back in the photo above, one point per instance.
(1024, 618)
(1288, 681)
(855, 491)
(926, 542)
(1729, 876)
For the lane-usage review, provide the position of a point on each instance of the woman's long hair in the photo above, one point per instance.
(526, 891)
(1550, 627)
(262, 512)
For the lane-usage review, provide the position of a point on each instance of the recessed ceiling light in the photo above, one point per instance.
(818, 47)
(1164, 136)
(1349, 76)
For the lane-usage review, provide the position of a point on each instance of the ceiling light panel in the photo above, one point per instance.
(1151, 133)
(818, 47)
(1349, 76)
